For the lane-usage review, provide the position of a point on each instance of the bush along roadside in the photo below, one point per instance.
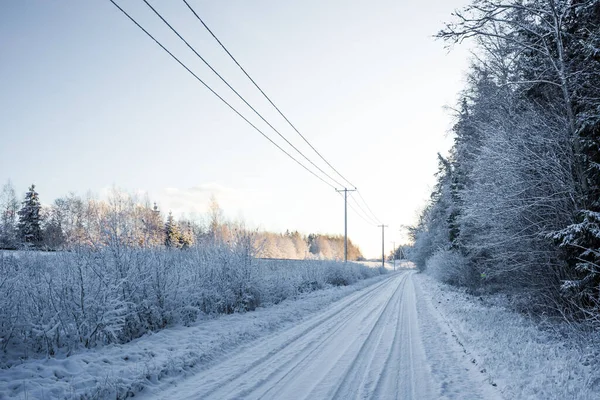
(60, 302)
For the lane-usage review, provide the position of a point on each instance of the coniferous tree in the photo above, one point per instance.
(52, 230)
(581, 240)
(30, 231)
(152, 232)
(313, 246)
(186, 235)
(172, 233)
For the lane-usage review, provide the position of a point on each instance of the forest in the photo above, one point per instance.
(516, 206)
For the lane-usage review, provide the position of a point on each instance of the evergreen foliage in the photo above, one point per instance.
(172, 233)
(30, 230)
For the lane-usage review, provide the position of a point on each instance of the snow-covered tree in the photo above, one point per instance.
(30, 230)
(581, 239)
(9, 206)
(186, 235)
(172, 233)
(52, 231)
(518, 199)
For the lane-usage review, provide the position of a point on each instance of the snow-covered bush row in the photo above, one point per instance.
(87, 298)
(158, 360)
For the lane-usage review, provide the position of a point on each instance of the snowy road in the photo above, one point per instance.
(371, 344)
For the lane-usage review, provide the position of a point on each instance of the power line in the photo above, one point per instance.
(368, 208)
(236, 92)
(373, 221)
(356, 212)
(366, 214)
(370, 216)
(360, 215)
(264, 94)
(216, 94)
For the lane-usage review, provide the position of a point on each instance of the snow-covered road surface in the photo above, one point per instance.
(371, 344)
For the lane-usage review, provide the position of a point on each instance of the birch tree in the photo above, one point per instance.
(9, 206)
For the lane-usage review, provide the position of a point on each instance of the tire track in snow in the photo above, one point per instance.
(251, 384)
(368, 345)
(375, 317)
(216, 379)
(405, 375)
(300, 358)
(356, 379)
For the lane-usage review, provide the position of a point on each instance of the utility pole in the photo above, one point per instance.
(345, 220)
(382, 244)
(394, 255)
(402, 255)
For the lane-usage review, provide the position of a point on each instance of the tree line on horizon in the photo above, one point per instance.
(72, 221)
(293, 245)
(516, 206)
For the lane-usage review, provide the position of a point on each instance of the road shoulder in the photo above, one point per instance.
(521, 357)
(455, 367)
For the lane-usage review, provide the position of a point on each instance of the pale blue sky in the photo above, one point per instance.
(87, 101)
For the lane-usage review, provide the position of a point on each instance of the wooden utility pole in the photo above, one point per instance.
(394, 255)
(382, 244)
(346, 220)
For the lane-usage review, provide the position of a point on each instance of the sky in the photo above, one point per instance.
(89, 102)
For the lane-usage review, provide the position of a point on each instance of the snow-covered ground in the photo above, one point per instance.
(525, 359)
(401, 335)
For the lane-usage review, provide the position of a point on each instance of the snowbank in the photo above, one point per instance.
(524, 359)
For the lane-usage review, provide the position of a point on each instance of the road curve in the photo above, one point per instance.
(367, 345)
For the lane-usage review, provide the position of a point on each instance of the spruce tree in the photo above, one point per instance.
(30, 231)
(186, 236)
(172, 234)
(582, 238)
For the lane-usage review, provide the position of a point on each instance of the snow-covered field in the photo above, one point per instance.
(526, 360)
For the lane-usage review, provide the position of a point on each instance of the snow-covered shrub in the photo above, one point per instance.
(341, 274)
(10, 306)
(279, 279)
(451, 267)
(89, 297)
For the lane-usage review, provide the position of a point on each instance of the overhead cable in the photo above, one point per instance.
(217, 95)
(357, 213)
(236, 92)
(265, 95)
(373, 221)
(368, 208)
